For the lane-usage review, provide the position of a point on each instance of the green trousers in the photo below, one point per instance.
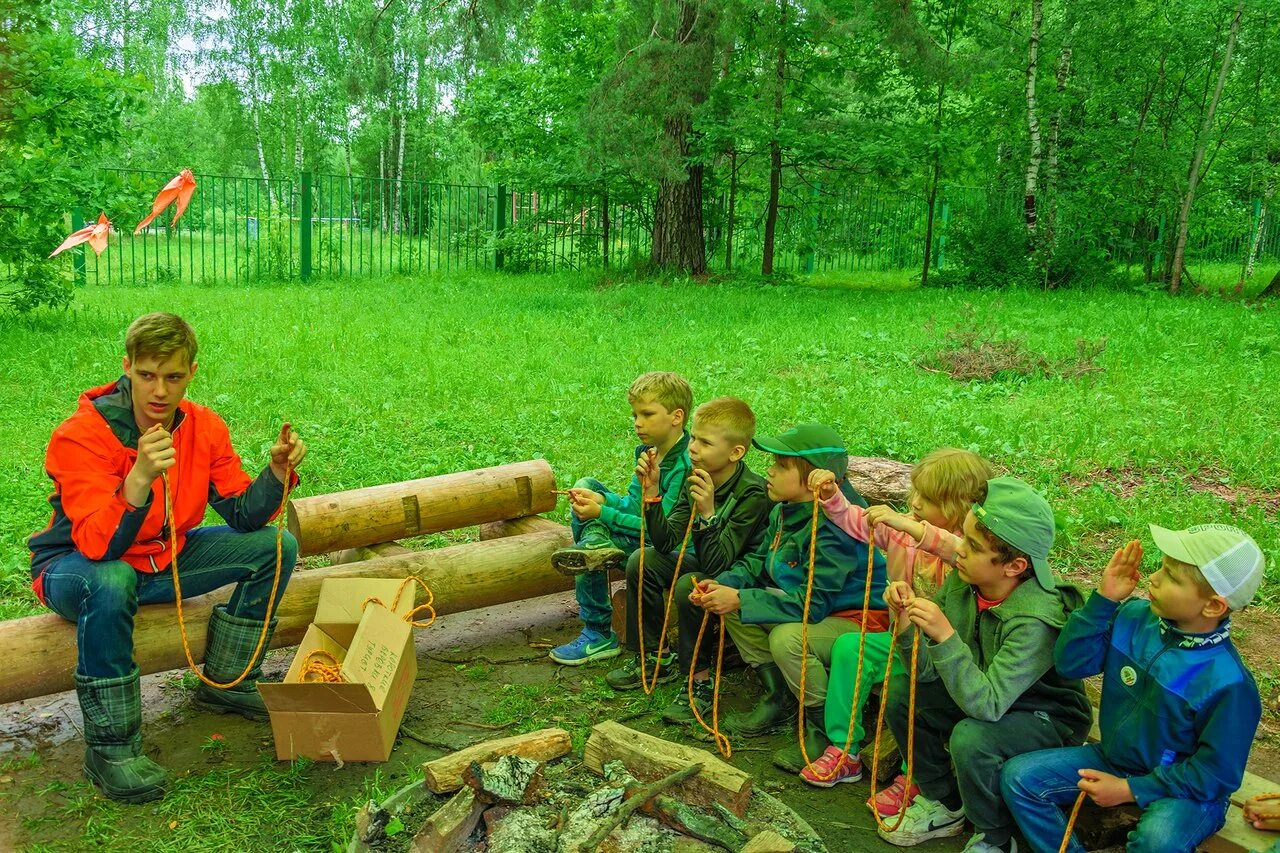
(841, 700)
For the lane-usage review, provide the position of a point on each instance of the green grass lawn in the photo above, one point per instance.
(391, 380)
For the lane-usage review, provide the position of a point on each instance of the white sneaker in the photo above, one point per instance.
(924, 819)
(978, 844)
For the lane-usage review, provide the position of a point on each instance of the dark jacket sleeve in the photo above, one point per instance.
(244, 504)
(1081, 649)
(664, 529)
(742, 532)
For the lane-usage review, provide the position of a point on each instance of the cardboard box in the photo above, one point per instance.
(356, 719)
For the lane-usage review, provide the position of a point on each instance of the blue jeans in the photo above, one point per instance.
(101, 597)
(592, 588)
(1038, 786)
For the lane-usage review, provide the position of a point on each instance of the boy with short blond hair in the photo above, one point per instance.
(606, 525)
(1179, 707)
(986, 689)
(730, 509)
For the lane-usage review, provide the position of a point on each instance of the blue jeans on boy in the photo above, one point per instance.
(592, 588)
(1038, 786)
(101, 597)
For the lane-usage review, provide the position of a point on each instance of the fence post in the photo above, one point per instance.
(304, 229)
(942, 232)
(77, 258)
(500, 225)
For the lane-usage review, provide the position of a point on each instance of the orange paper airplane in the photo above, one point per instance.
(180, 189)
(95, 235)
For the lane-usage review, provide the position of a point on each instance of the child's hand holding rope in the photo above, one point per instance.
(702, 493)
(1105, 789)
(720, 600)
(823, 483)
(647, 471)
(929, 618)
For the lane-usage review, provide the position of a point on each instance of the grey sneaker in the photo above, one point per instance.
(593, 552)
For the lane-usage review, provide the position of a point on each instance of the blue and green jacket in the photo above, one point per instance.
(771, 580)
(621, 513)
(1179, 711)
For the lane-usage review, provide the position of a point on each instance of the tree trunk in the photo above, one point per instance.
(936, 179)
(396, 219)
(604, 229)
(678, 242)
(1251, 253)
(1050, 231)
(382, 185)
(677, 214)
(1202, 139)
(262, 157)
(775, 146)
(733, 201)
(1033, 121)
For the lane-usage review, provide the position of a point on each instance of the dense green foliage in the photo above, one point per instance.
(1103, 118)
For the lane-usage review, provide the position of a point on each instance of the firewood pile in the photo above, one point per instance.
(630, 793)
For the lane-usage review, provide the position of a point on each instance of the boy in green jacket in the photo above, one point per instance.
(987, 687)
(762, 596)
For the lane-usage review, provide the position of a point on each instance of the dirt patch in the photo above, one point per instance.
(482, 674)
(1126, 480)
(977, 350)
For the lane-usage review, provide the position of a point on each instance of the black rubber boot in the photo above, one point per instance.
(815, 742)
(776, 708)
(231, 642)
(113, 759)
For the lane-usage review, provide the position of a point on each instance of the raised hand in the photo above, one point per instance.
(1120, 577)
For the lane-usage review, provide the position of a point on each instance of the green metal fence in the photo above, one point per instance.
(245, 230)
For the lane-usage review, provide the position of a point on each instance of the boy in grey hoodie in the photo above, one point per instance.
(987, 687)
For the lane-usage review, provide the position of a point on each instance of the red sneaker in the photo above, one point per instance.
(833, 767)
(893, 798)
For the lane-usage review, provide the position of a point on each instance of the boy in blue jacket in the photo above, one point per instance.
(1179, 709)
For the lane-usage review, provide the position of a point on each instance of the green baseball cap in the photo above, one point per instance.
(1019, 515)
(818, 444)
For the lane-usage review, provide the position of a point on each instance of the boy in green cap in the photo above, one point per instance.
(987, 688)
(762, 595)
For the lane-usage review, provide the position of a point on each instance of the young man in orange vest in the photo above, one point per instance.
(108, 547)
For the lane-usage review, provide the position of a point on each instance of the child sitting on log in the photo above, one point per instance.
(606, 526)
(943, 486)
(986, 687)
(730, 508)
(762, 597)
(1179, 708)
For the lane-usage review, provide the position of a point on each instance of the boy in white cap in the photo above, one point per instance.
(1179, 708)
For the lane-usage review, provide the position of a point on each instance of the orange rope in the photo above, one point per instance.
(1071, 822)
(884, 690)
(177, 585)
(322, 665)
(911, 732)
(649, 686)
(395, 602)
(862, 643)
(722, 740)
